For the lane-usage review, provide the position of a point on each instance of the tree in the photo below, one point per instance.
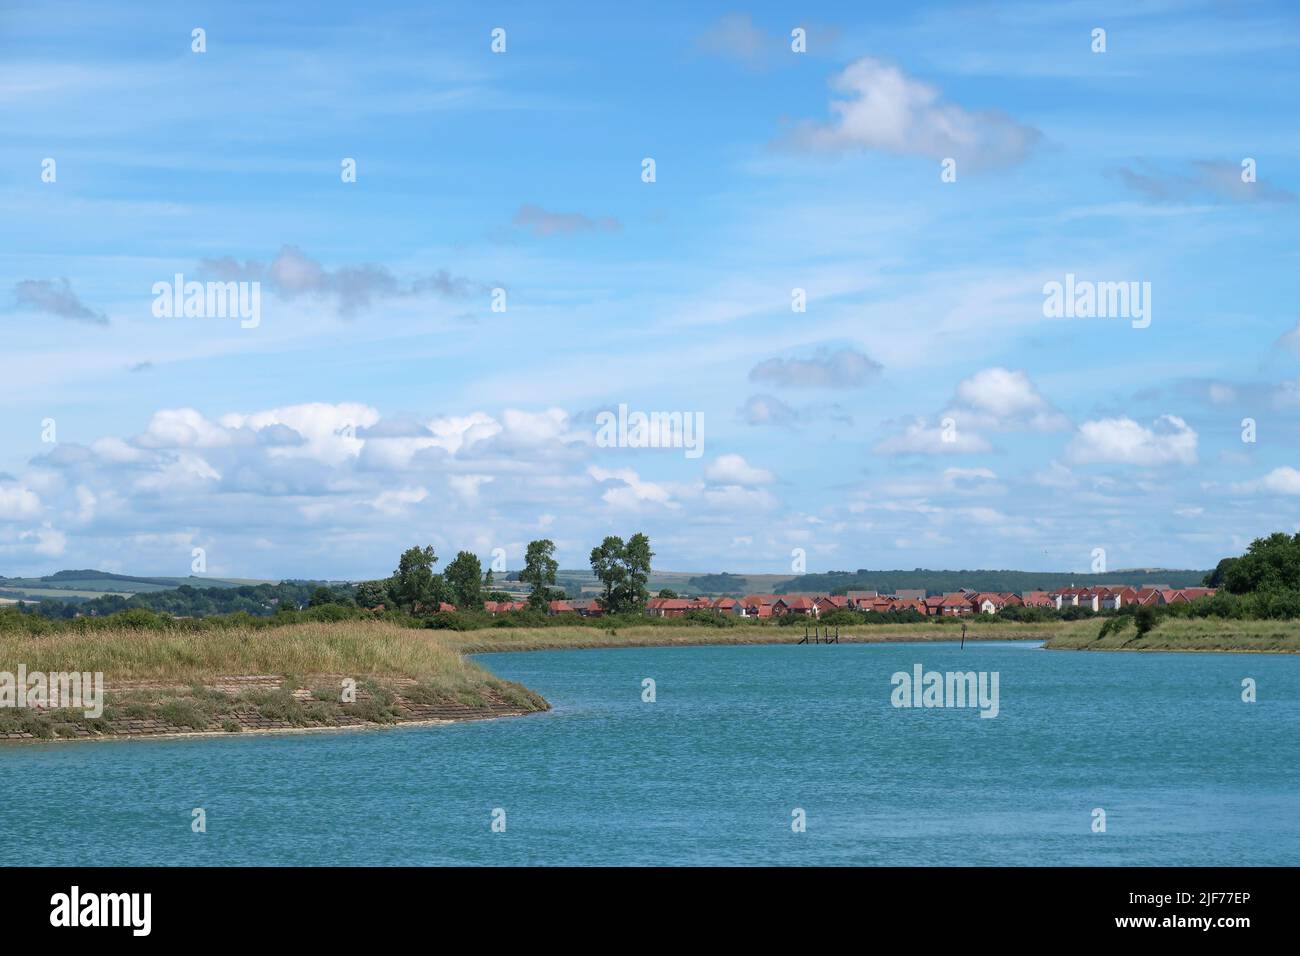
(322, 595)
(487, 580)
(464, 576)
(667, 593)
(623, 569)
(1218, 578)
(1145, 619)
(371, 594)
(1269, 564)
(539, 570)
(607, 565)
(637, 563)
(413, 582)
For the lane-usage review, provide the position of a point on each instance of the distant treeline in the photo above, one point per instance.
(259, 600)
(945, 582)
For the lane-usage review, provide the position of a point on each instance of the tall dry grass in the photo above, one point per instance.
(360, 648)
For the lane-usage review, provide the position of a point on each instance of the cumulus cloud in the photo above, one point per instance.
(183, 428)
(1200, 180)
(885, 109)
(18, 503)
(626, 490)
(1169, 441)
(734, 470)
(543, 222)
(55, 297)
(1004, 400)
(50, 542)
(837, 368)
(353, 287)
(395, 500)
(1279, 481)
(993, 399)
(919, 438)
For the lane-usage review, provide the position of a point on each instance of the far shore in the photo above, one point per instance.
(165, 684)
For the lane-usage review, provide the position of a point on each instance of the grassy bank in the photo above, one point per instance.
(182, 681)
(661, 635)
(1186, 634)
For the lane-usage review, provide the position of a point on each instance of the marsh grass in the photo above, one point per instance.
(1187, 634)
(182, 663)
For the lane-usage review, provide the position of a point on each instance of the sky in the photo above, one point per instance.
(839, 271)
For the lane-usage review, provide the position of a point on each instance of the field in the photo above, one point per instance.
(1187, 634)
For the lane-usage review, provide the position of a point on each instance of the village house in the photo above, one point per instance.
(801, 605)
(588, 607)
(762, 606)
(669, 607)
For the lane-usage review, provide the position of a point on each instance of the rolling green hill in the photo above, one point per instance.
(942, 582)
(87, 584)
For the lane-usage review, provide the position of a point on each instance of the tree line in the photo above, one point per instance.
(621, 567)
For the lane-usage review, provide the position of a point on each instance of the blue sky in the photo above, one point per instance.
(380, 402)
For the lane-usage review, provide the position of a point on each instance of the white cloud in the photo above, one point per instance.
(116, 450)
(17, 504)
(395, 501)
(1006, 399)
(185, 471)
(1168, 441)
(49, 542)
(182, 428)
(630, 491)
(734, 470)
(918, 438)
(993, 399)
(1279, 481)
(467, 486)
(329, 432)
(887, 110)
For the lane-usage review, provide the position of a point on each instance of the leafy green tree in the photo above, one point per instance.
(1145, 619)
(371, 594)
(322, 595)
(667, 593)
(607, 565)
(636, 561)
(540, 568)
(414, 581)
(1269, 564)
(464, 575)
(487, 580)
(623, 569)
(1218, 578)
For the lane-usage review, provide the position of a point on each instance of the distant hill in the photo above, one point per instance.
(942, 582)
(87, 584)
